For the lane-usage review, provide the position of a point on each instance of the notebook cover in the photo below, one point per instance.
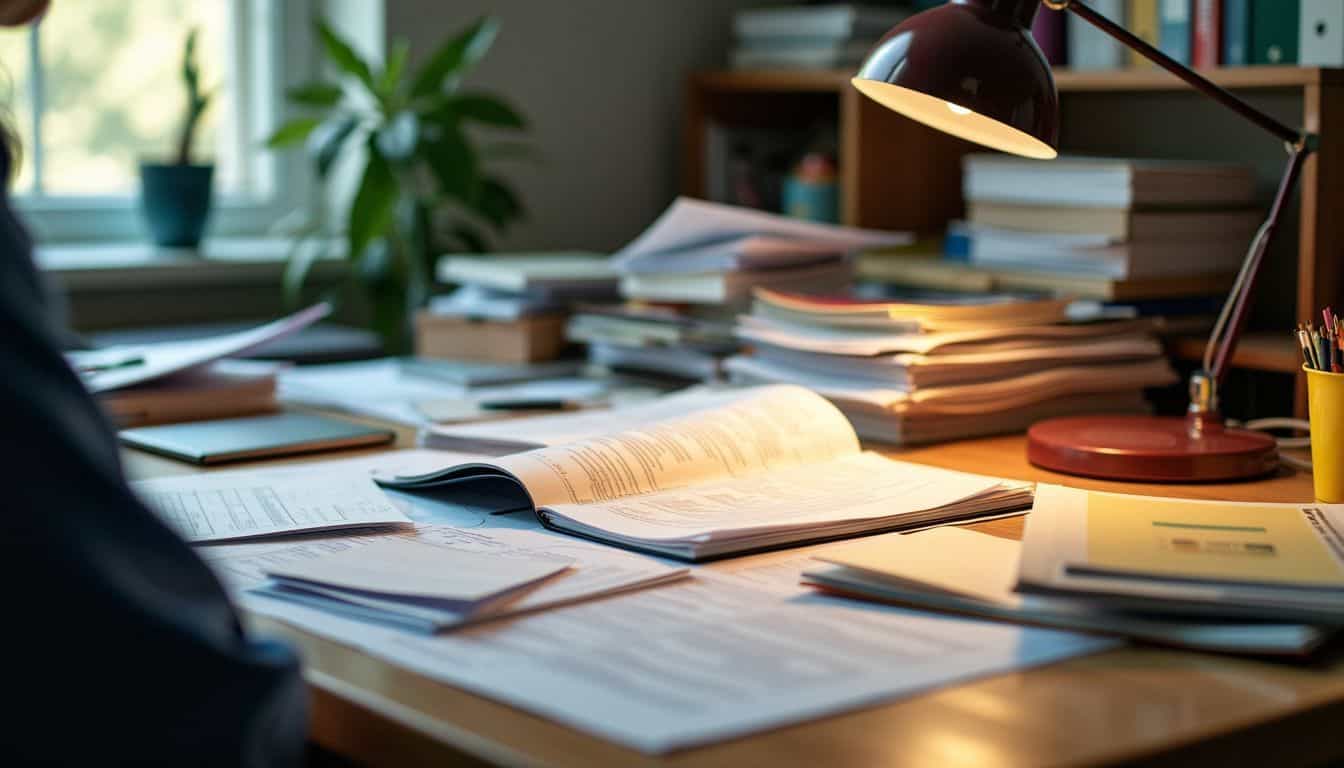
(218, 441)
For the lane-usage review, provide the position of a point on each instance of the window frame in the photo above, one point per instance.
(267, 59)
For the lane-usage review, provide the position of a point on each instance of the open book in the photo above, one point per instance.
(762, 467)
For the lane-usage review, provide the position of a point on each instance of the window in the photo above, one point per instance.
(95, 89)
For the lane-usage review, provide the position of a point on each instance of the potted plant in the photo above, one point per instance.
(175, 197)
(424, 188)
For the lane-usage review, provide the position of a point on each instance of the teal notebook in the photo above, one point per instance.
(254, 437)
(1274, 31)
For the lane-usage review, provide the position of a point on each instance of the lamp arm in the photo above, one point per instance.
(1196, 81)
(1232, 318)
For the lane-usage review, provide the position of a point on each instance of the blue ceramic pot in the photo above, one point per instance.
(175, 200)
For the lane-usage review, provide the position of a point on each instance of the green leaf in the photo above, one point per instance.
(315, 94)
(487, 109)
(324, 143)
(293, 132)
(343, 55)
(498, 203)
(456, 57)
(453, 164)
(371, 210)
(396, 65)
(471, 238)
(298, 263)
(398, 137)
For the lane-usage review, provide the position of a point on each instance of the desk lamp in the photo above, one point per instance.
(971, 68)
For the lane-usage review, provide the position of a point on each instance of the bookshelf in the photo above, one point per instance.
(897, 174)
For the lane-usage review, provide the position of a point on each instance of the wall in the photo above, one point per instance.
(601, 81)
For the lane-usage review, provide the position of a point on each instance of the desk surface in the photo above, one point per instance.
(1133, 704)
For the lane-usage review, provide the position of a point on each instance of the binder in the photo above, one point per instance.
(1274, 30)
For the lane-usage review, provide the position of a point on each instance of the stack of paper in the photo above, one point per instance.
(706, 253)
(960, 571)
(512, 286)
(188, 380)
(914, 373)
(652, 339)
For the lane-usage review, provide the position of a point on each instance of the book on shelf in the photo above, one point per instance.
(750, 470)
(1274, 31)
(1142, 19)
(816, 22)
(1102, 182)
(801, 53)
(1321, 34)
(1175, 30)
(1236, 33)
(955, 570)
(1091, 49)
(1188, 557)
(945, 274)
(1206, 50)
(1050, 31)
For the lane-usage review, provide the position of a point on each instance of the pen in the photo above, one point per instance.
(98, 367)
(529, 405)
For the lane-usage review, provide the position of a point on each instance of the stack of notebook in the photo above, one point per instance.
(648, 338)
(919, 373)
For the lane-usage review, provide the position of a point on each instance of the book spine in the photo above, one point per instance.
(1236, 33)
(1049, 30)
(1174, 31)
(1321, 33)
(1274, 31)
(1089, 47)
(1208, 45)
(1143, 23)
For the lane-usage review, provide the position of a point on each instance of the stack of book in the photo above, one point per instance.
(810, 37)
(686, 276)
(1164, 237)
(909, 373)
(677, 342)
(510, 308)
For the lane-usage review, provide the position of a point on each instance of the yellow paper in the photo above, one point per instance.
(1269, 543)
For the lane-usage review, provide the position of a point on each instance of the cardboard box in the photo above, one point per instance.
(531, 339)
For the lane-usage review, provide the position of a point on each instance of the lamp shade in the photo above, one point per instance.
(970, 68)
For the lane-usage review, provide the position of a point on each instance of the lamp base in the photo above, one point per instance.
(1149, 449)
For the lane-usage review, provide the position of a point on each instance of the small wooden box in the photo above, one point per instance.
(529, 340)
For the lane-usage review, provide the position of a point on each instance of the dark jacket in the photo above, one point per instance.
(120, 647)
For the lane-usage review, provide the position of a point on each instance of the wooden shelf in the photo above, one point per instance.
(1161, 80)
(1264, 351)
(1066, 80)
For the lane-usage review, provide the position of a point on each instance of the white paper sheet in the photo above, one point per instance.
(716, 657)
(593, 570)
(225, 506)
(174, 356)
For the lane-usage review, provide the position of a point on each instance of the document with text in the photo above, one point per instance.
(758, 468)
(736, 648)
(239, 505)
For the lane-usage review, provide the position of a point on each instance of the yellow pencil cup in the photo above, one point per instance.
(1325, 399)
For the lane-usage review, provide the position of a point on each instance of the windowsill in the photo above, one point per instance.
(218, 262)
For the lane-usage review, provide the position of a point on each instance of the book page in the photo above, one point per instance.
(776, 427)
(860, 486)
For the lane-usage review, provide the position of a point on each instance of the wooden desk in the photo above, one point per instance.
(1130, 705)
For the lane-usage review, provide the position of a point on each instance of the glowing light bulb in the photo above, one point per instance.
(957, 109)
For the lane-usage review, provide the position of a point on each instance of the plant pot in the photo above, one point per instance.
(175, 201)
